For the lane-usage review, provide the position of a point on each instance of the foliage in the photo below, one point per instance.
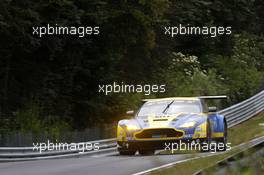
(62, 73)
(31, 119)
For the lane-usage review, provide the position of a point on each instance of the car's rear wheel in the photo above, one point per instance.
(146, 152)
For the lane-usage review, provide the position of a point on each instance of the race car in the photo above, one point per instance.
(163, 120)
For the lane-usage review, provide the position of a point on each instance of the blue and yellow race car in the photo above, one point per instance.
(163, 120)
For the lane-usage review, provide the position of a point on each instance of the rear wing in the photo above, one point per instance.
(213, 97)
(188, 98)
(170, 98)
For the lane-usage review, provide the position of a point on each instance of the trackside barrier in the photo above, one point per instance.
(245, 110)
(29, 152)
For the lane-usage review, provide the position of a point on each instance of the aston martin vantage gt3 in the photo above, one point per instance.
(164, 120)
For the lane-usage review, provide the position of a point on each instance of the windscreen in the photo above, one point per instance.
(169, 107)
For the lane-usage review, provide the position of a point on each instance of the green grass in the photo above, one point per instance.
(247, 130)
(236, 135)
(251, 163)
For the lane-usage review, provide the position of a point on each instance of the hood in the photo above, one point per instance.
(174, 121)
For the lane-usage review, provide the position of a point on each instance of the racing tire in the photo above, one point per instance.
(146, 152)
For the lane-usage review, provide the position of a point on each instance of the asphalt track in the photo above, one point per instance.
(91, 165)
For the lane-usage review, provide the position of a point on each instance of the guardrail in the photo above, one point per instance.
(105, 143)
(30, 153)
(235, 114)
(245, 110)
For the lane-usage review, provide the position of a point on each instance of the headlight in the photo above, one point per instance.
(187, 125)
(132, 127)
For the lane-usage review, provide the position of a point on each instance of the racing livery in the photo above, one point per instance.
(164, 120)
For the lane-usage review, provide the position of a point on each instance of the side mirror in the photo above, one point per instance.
(212, 109)
(130, 112)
